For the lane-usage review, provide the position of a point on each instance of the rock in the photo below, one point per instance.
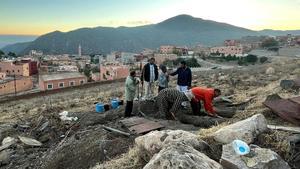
(29, 141)
(287, 84)
(270, 71)
(7, 142)
(181, 156)
(258, 158)
(245, 130)
(5, 157)
(6, 130)
(154, 141)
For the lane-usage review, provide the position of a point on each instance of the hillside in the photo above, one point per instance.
(179, 30)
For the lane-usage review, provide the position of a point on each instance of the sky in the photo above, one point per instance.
(37, 17)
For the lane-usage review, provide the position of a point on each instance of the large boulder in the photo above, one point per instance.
(181, 156)
(258, 158)
(245, 130)
(154, 141)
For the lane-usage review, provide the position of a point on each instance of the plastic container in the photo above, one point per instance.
(240, 147)
(99, 108)
(114, 103)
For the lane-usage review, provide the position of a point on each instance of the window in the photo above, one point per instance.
(18, 70)
(49, 86)
(13, 71)
(81, 81)
(72, 83)
(61, 84)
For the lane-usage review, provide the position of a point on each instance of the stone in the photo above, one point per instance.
(5, 157)
(6, 130)
(245, 130)
(287, 84)
(270, 71)
(258, 158)
(181, 156)
(7, 142)
(154, 141)
(29, 141)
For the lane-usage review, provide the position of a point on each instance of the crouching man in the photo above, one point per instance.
(206, 95)
(130, 91)
(169, 101)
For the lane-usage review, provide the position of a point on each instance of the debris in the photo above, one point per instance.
(140, 125)
(287, 109)
(181, 156)
(116, 131)
(287, 84)
(291, 129)
(154, 141)
(7, 142)
(257, 158)
(240, 147)
(270, 71)
(29, 141)
(43, 126)
(64, 116)
(245, 130)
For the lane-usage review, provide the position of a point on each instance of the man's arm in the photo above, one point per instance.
(208, 104)
(189, 78)
(174, 73)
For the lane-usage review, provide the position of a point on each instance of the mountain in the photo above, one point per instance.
(12, 39)
(271, 32)
(180, 30)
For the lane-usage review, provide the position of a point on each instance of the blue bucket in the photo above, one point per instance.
(99, 108)
(114, 103)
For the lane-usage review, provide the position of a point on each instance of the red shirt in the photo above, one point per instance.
(206, 95)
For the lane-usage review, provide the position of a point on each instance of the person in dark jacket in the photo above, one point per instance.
(149, 76)
(184, 79)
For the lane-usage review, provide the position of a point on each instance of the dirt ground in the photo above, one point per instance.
(85, 144)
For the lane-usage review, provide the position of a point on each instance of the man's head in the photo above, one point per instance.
(151, 60)
(183, 64)
(217, 92)
(132, 73)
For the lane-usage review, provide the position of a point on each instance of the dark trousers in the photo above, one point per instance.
(128, 108)
(160, 88)
(196, 107)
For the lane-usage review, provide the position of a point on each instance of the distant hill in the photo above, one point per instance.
(12, 39)
(179, 30)
(279, 32)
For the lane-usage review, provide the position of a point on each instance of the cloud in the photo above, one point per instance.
(141, 22)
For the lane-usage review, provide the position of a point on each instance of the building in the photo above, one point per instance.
(112, 72)
(201, 50)
(11, 85)
(167, 49)
(33, 66)
(67, 68)
(232, 42)
(79, 50)
(2, 75)
(14, 68)
(127, 58)
(227, 50)
(111, 57)
(35, 53)
(62, 80)
(160, 58)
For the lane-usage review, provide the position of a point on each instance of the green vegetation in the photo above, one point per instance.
(263, 59)
(269, 43)
(2, 54)
(12, 54)
(190, 62)
(250, 59)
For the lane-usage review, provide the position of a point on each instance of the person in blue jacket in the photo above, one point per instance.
(184, 79)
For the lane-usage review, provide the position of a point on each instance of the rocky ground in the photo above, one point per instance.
(84, 143)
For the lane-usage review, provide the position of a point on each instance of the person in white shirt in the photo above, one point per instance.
(148, 77)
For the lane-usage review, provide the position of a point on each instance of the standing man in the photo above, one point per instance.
(184, 79)
(130, 88)
(206, 95)
(149, 76)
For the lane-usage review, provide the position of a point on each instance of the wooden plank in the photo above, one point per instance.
(134, 121)
(291, 129)
(295, 100)
(145, 127)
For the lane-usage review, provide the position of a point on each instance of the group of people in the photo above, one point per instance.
(169, 100)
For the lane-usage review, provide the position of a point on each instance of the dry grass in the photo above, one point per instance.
(130, 160)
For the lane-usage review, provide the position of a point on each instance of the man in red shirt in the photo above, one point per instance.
(206, 95)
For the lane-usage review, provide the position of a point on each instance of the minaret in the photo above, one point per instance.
(79, 50)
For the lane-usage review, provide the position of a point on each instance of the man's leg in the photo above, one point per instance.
(146, 86)
(151, 88)
(196, 106)
(128, 108)
(184, 88)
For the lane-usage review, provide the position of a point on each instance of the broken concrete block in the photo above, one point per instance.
(270, 71)
(181, 156)
(258, 158)
(245, 130)
(154, 141)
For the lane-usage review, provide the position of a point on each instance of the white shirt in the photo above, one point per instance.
(152, 73)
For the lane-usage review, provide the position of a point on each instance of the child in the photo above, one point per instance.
(130, 88)
(163, 78)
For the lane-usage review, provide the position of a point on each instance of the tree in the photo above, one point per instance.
(269, 42)
(12, 54)
(2, 54)
(251, 58)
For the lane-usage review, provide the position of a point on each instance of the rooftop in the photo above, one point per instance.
(61, 76)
